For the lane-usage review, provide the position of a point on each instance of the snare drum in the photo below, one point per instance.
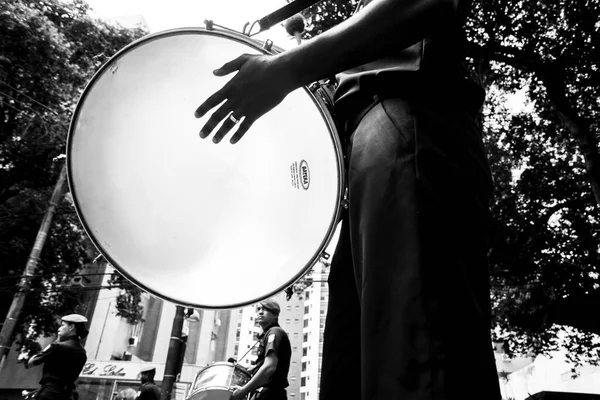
(217, 382)
(199, 224)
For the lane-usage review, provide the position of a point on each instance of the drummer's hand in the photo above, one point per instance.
(238, 394)
(260, 84)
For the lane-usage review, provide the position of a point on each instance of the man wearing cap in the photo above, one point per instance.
(148, 389)
(269, 377)
(63, 360)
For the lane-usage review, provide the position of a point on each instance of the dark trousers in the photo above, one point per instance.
(51, 391)
(270, 394)
(409, 306)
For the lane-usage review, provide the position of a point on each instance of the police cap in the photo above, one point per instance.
(272, 306)
(74, 318)
(147, 369)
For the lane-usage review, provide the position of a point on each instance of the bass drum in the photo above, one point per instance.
(199, 224)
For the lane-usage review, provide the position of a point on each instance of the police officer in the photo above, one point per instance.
(148, 390)
(273, 362)
(63, 360)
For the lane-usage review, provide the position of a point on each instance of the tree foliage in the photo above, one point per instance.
(48, 52)
(129, 300)
(545, 248)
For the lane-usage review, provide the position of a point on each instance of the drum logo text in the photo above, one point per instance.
(304, 175)
(300, 174)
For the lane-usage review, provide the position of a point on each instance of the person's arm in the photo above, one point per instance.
(263, 81)
(35, 360)
(41, 357)
(259, 379)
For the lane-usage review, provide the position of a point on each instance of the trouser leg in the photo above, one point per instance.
(340, 368)
(418, 182)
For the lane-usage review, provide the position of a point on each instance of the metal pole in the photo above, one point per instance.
(14, 313)
(173, 355)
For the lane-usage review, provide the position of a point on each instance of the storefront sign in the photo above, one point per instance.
(116, 370)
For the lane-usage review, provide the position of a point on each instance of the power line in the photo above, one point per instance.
(19, 101)
(30, 98)
(13, 107)
(75, 275)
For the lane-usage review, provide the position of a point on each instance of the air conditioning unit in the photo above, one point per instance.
(133, 341)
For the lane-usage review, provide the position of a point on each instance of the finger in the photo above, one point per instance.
(243, 128)
(231, 66)
(209, 103)
(228, 124)
(214, 120)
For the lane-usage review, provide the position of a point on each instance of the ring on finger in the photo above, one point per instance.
(234, 119)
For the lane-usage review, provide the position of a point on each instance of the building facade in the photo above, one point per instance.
(117, 350)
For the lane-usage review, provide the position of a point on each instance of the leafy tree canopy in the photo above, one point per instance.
(49, 51)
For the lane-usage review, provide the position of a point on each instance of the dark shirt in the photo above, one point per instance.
(63, 361)
(275, 339)
(435, 63)
(149, 391)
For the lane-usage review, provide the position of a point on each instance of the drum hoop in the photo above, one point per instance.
(317, 100)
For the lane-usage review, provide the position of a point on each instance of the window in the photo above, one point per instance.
(305, 339)
(306, 309)
(304, 351)
(303, 382)
(303, 366)
(306, 323)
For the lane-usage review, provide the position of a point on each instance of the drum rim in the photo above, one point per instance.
(317, 100)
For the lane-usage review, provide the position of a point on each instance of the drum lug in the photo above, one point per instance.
(268, 44)
(345, 202)
(209, 24)
(324, 259)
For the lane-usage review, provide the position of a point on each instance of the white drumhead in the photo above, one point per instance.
(204, 225)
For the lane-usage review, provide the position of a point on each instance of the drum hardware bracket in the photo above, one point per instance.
(324, 259)
(268, 44)
(345, 202)
(210, 26)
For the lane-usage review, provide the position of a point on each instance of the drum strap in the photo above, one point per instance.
(284, 13)
(245, 354)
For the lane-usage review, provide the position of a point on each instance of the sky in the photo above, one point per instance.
(162, 14)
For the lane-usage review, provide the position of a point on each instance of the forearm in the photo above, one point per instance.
(259, 379)
(382, 26)
(35, 360)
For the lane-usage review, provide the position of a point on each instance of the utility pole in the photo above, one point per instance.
(20, 296)
(173, 355)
